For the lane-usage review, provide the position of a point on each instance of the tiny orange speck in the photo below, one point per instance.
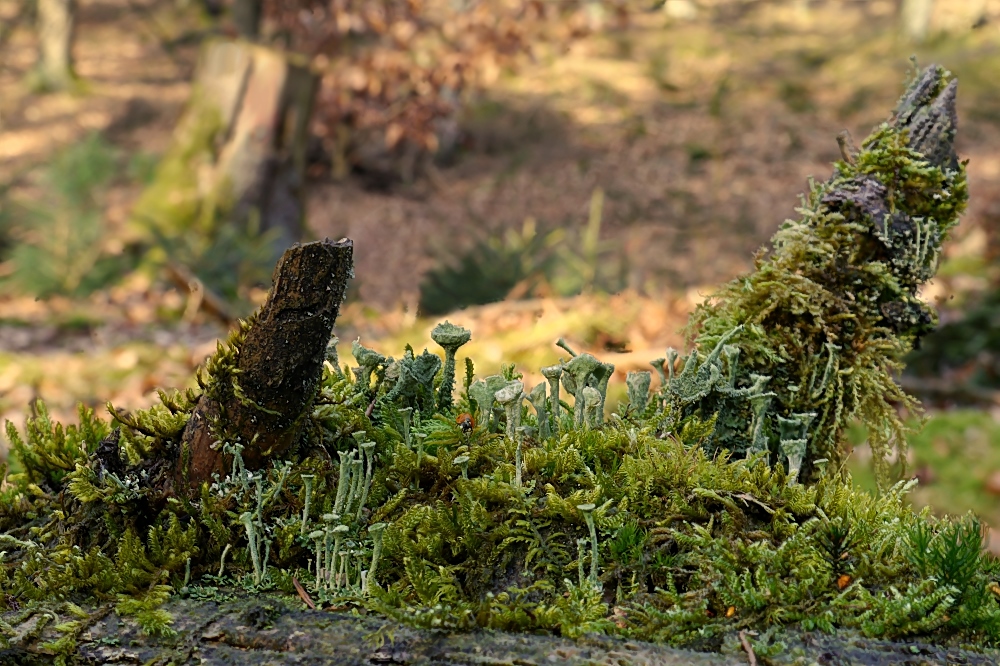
(843, 581)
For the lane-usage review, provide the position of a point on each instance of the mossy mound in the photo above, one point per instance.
(829, 314)
(672, 520)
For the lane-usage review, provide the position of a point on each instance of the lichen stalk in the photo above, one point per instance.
(607, 371)
(638, 390)
(537, 398)
(247, 519)
(588, 514)
(463, 462)
(317, 536)
(342, 482)
(376, 532)
(591, 407)
(510, 397)
(451, 338)
(357, 479)
(307, 481)
(222, 559)
(420, 437)
(338, 539)
(369, 450)
(552, 374)
(580, 368)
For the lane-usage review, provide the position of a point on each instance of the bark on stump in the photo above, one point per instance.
(238, 153)
(280, 363)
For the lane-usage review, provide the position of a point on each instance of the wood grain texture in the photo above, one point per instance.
(280, 362)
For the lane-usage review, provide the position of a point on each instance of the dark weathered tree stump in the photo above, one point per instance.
(280, 363)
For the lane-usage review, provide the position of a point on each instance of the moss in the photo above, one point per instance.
(646, 525)
(818, 329)
(173, 202)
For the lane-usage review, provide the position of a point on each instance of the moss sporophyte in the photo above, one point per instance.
(709, 504)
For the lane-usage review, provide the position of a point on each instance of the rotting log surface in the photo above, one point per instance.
(280, 361)
(266, 630)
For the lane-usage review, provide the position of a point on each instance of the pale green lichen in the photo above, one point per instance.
(450, 337)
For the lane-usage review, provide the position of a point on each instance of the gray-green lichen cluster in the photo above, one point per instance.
(682, 517)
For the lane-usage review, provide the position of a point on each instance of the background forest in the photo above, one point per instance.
(529, 169)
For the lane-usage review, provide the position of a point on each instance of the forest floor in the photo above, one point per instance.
(701, 134)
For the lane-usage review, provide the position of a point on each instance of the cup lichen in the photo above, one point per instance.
(451, 338)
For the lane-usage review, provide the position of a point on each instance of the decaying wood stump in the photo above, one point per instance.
(280, 363)
(238, 152)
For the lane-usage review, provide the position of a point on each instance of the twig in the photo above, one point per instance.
(205, 298)
(303, 594)
(751, 657)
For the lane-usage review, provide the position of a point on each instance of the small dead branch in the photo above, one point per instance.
(200, 297)
(751, 657)
(303, 594)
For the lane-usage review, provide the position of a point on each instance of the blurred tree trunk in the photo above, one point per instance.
(55, 23)
(246, 17)
(915, 18)
(238, 153)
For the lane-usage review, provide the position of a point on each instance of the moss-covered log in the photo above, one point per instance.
(273, 379)
(373, 492)
(258, 631)
(810, 341)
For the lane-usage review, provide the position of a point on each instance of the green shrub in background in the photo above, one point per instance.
(564, 262)
(60, 244)
(488, 272)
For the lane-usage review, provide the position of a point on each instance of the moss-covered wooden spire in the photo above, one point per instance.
(828, 314)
